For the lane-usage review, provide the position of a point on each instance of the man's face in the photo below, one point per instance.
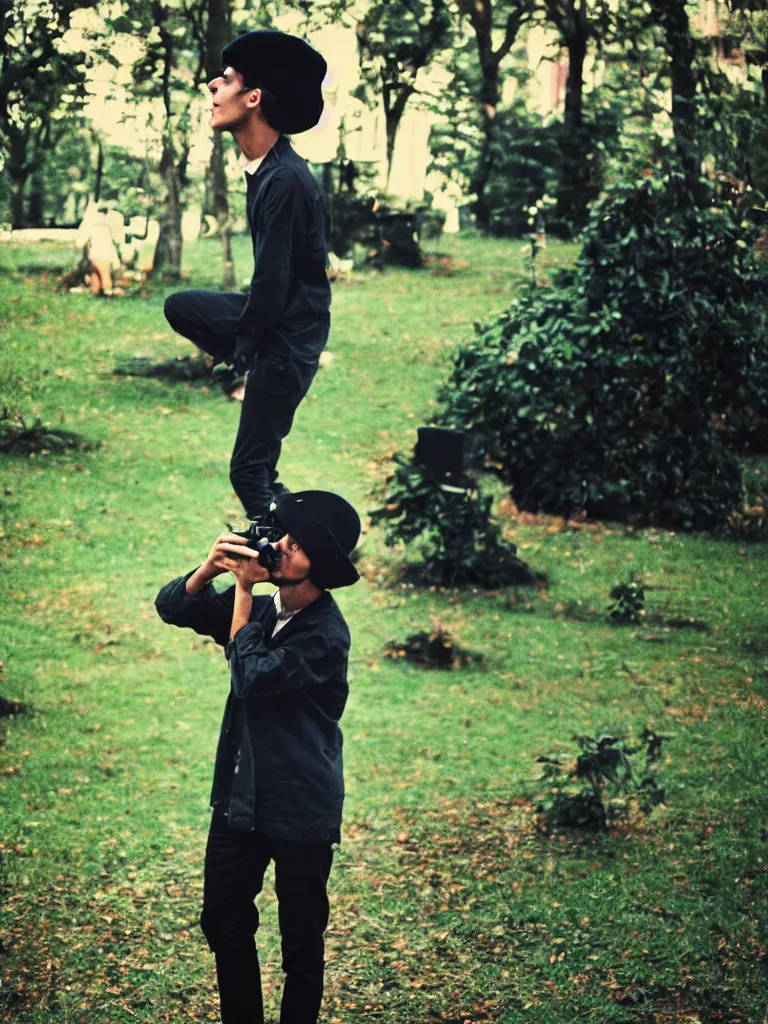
(231, 103)
(294, 566)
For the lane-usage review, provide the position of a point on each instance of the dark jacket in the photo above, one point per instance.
(287, 313)
(279, 763)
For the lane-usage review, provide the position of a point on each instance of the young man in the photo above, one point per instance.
(278, 786)
(269, 86)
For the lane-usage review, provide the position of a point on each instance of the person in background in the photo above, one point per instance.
(95, 237)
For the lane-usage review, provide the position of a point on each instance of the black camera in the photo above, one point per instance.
(260, 534)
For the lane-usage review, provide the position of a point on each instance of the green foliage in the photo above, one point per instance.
(602, 771)
(524, 166)
(453, 532)
(622, 390)
(627, 601)
(19, 437)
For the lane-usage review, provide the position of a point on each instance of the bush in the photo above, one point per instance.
(600, 772)
(627, 602)
(623, 390)
(525, 162)
(453, 532)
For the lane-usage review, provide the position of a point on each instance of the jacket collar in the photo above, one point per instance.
(275, 154)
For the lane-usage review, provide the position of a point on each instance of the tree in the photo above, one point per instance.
(733, 120)
(217, 34)
(42, 82)
(170, 69)
(580, 23)
(681, 51)
(396, 39)
(483, 17)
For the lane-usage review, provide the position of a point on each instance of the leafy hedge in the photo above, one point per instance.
(624, 390)
(458, 542)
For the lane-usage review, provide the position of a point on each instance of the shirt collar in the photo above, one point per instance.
(251, 166)
(282, 613)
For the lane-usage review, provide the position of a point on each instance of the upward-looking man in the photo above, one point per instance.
(269, 85)
(278, 785)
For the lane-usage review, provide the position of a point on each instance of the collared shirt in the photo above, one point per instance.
(251, 166)
(283, 616)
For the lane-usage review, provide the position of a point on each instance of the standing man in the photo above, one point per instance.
(278, 786)
(269, 86)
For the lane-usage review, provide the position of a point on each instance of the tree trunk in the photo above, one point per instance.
(17, 203)
(218, 32)
(99, 171)
(681, 50)
(575, 190)
(167, 261)
(36, 201)
(393, 115)
(489, 100)
(220, 206)
(480, 15)
(18, 171)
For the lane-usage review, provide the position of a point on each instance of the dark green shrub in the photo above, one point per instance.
(627, 602)
(453, 532)
(600, 772)
(436, 649)
(623, 390)
(17, 436)
(525, 162)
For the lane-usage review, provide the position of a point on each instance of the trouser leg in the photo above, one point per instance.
(274, 388)
(301, 876)
(209, 319)
(235, 863)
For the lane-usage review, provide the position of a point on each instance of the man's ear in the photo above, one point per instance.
(254, 98)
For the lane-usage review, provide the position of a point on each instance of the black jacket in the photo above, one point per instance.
(279, 763)
(287, 313)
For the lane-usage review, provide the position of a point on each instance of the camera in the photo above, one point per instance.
(260, 533)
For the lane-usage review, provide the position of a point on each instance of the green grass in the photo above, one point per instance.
(450, 900)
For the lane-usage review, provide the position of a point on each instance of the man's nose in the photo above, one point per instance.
(213, 86)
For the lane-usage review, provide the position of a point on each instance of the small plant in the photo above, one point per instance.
(602, 771)
(436, 649)
(17, 436)
(451, 529)
(628, 602)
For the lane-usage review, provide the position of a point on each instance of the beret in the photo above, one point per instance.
(285, 65)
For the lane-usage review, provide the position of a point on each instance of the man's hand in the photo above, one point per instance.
(248, 571)
(229, 553)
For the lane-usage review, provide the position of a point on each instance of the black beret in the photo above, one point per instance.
(285, 65)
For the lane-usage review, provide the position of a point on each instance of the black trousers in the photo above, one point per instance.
(275, 386)
(235, 863)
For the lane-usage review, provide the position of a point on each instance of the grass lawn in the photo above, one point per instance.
(451, 901)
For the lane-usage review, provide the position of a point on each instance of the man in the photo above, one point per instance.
(278, 787)
(270, 86)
